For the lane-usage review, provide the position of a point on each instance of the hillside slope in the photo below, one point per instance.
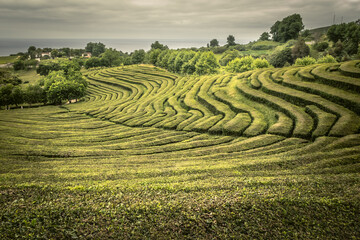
(268, 154)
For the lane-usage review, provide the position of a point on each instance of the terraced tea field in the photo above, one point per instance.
(268, 154)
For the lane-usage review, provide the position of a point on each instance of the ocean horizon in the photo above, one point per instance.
(13, 46)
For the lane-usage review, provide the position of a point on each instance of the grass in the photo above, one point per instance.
(7, 59)
(140, 159)
(29, 76)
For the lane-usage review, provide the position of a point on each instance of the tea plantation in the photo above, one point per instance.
(267, 154)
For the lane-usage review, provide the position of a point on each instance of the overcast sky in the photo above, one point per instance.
(163, 19)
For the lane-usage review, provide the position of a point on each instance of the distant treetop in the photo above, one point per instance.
(288, 28)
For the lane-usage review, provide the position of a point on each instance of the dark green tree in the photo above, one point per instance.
(231, 40)
(348, 34)
(93, 62)
(138, 56)
(214, 43)
(157, 45)
(153, 55)
(300, 49)
(17, 96)
(95, 48)
(111, 57)
(189, 67)
(19, 65)
(5, 95)
(265, 36)
(288, 28)
(279, 59)
(32, 52)
(34, 94)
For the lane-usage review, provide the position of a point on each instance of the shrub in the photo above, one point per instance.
(260, 63)
(240, 64)
(321, 46)
(207, 64)
(279, 59)
(228, 56)
(19, 65)
(327, 59)
(300, 49)
(305, 61)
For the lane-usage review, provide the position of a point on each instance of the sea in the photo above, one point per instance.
(13, 46)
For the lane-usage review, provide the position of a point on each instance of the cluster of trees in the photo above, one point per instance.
(347, 35)
(46, 66)
(288, 28)
(112, 58)
(246, 63)
(62, 81)
(184, 61)
(34, 52)
(95, 48)
(305, 61)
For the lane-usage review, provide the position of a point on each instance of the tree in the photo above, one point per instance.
(240, 64)
(6, 76)
(321, 46)
(265, 36)
(306, 33)
(54, 53)
(19, 65)
(59, 86)
(163, 58)
(288, 28)
(93, 62)
(5, 95)
(300, 49)
(228, 56)
(157, 45)
(17, 96)
(153, 55)
(111, 58)
(32, 51)
(138, 56)
(34, 94)
(189, 67)
(179, 61)
(260, 63)
(279, 59)
(207, 64)
(171, 61)
(214, 43)
(231, 40)
(95, 48)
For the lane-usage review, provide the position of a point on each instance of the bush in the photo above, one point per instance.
(228, 56)
(327, 59)
(260, 63)
(321, 46)
(300, 49)
(279, 59)
(19, 65)
(240, 64)
(207, 64)
(218, 50)
(305, 61)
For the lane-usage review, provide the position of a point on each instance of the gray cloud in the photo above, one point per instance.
(246, 19)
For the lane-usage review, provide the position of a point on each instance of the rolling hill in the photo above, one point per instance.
(265, 154)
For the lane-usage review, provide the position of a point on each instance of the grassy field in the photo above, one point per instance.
(28, 76)
(269, 154)
(7, 59)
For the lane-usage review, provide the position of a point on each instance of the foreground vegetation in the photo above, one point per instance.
(264, 154)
